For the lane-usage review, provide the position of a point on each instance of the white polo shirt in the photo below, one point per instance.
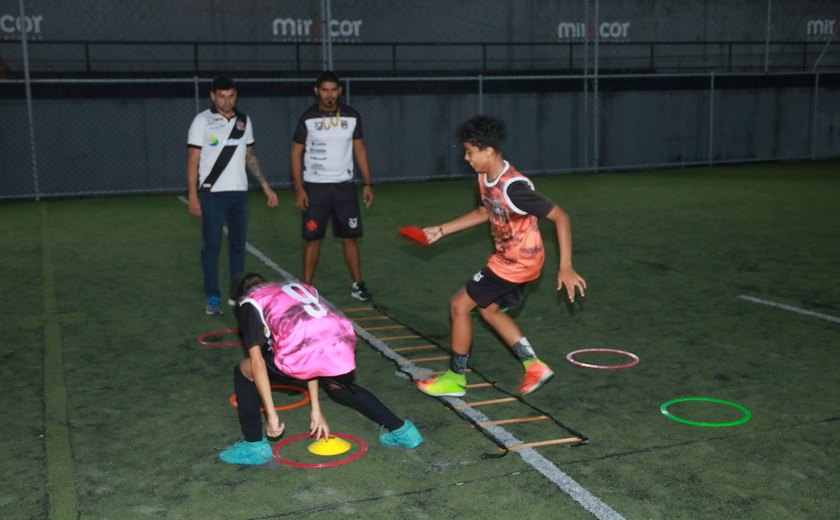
(209, 131)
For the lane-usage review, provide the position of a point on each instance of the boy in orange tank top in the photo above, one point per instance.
(511, 206)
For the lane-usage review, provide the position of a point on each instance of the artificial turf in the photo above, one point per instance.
(102, 297)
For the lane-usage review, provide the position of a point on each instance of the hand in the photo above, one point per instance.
(195, 207)
(318, 426)
(271, 197)
(301, 200)
(274, 428)
(433, 233)
(568, 278)
(367, 195)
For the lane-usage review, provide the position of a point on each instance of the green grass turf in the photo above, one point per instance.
(666, 255)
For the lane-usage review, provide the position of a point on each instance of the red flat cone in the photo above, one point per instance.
(415, 233)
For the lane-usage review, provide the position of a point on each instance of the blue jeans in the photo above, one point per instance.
(218, 208)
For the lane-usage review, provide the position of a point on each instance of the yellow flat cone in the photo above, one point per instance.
(333, 446)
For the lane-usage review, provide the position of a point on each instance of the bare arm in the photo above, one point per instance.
(566, 276)
(465, 221)
(253, 167)
(274, 428)
(301, 200)
(361, 155)
(318, 426)
(193, 156)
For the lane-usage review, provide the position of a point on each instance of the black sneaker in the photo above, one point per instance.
(360, 292)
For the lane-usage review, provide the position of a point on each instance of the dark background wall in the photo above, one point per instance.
(283, 37)
(108, 115)
(418, 20)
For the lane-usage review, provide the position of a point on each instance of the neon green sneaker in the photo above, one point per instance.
(447, 384)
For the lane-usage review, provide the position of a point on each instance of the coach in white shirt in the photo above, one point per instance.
(220, 152)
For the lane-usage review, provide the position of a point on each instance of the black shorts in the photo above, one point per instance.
(278, 376)
(338, 201)
(486, 288)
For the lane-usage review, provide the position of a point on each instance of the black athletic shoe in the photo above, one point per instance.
(360, 292)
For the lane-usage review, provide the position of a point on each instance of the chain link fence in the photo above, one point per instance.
(129, 136)
(612, 86)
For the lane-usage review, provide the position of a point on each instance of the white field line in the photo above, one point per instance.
(564, 482)
(544, 466)
(789, 308)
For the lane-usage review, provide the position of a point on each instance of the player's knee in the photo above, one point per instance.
(459, 306)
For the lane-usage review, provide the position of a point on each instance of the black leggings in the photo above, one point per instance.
(342, 389)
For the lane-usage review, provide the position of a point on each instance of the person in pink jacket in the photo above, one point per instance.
(291, 336)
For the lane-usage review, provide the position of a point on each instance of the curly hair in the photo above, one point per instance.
(483, 131)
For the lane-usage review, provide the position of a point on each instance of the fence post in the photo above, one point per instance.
(814, 115)
(767, 38)
(326, 37)
(586, 87)
(711, 117)
(347, 91)
(596, 156)
(28, 85)
(195, 88)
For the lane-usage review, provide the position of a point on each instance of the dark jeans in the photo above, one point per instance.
(218, 209)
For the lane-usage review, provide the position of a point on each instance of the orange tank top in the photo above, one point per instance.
(520, 253)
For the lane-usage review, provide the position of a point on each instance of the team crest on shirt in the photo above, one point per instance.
(240, 125)
(353, 223)
(478, 276)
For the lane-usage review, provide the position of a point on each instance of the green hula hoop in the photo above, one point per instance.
(669, 415)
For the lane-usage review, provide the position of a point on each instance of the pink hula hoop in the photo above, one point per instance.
(633, 357)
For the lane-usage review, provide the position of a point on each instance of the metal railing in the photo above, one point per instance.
(55, 58)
